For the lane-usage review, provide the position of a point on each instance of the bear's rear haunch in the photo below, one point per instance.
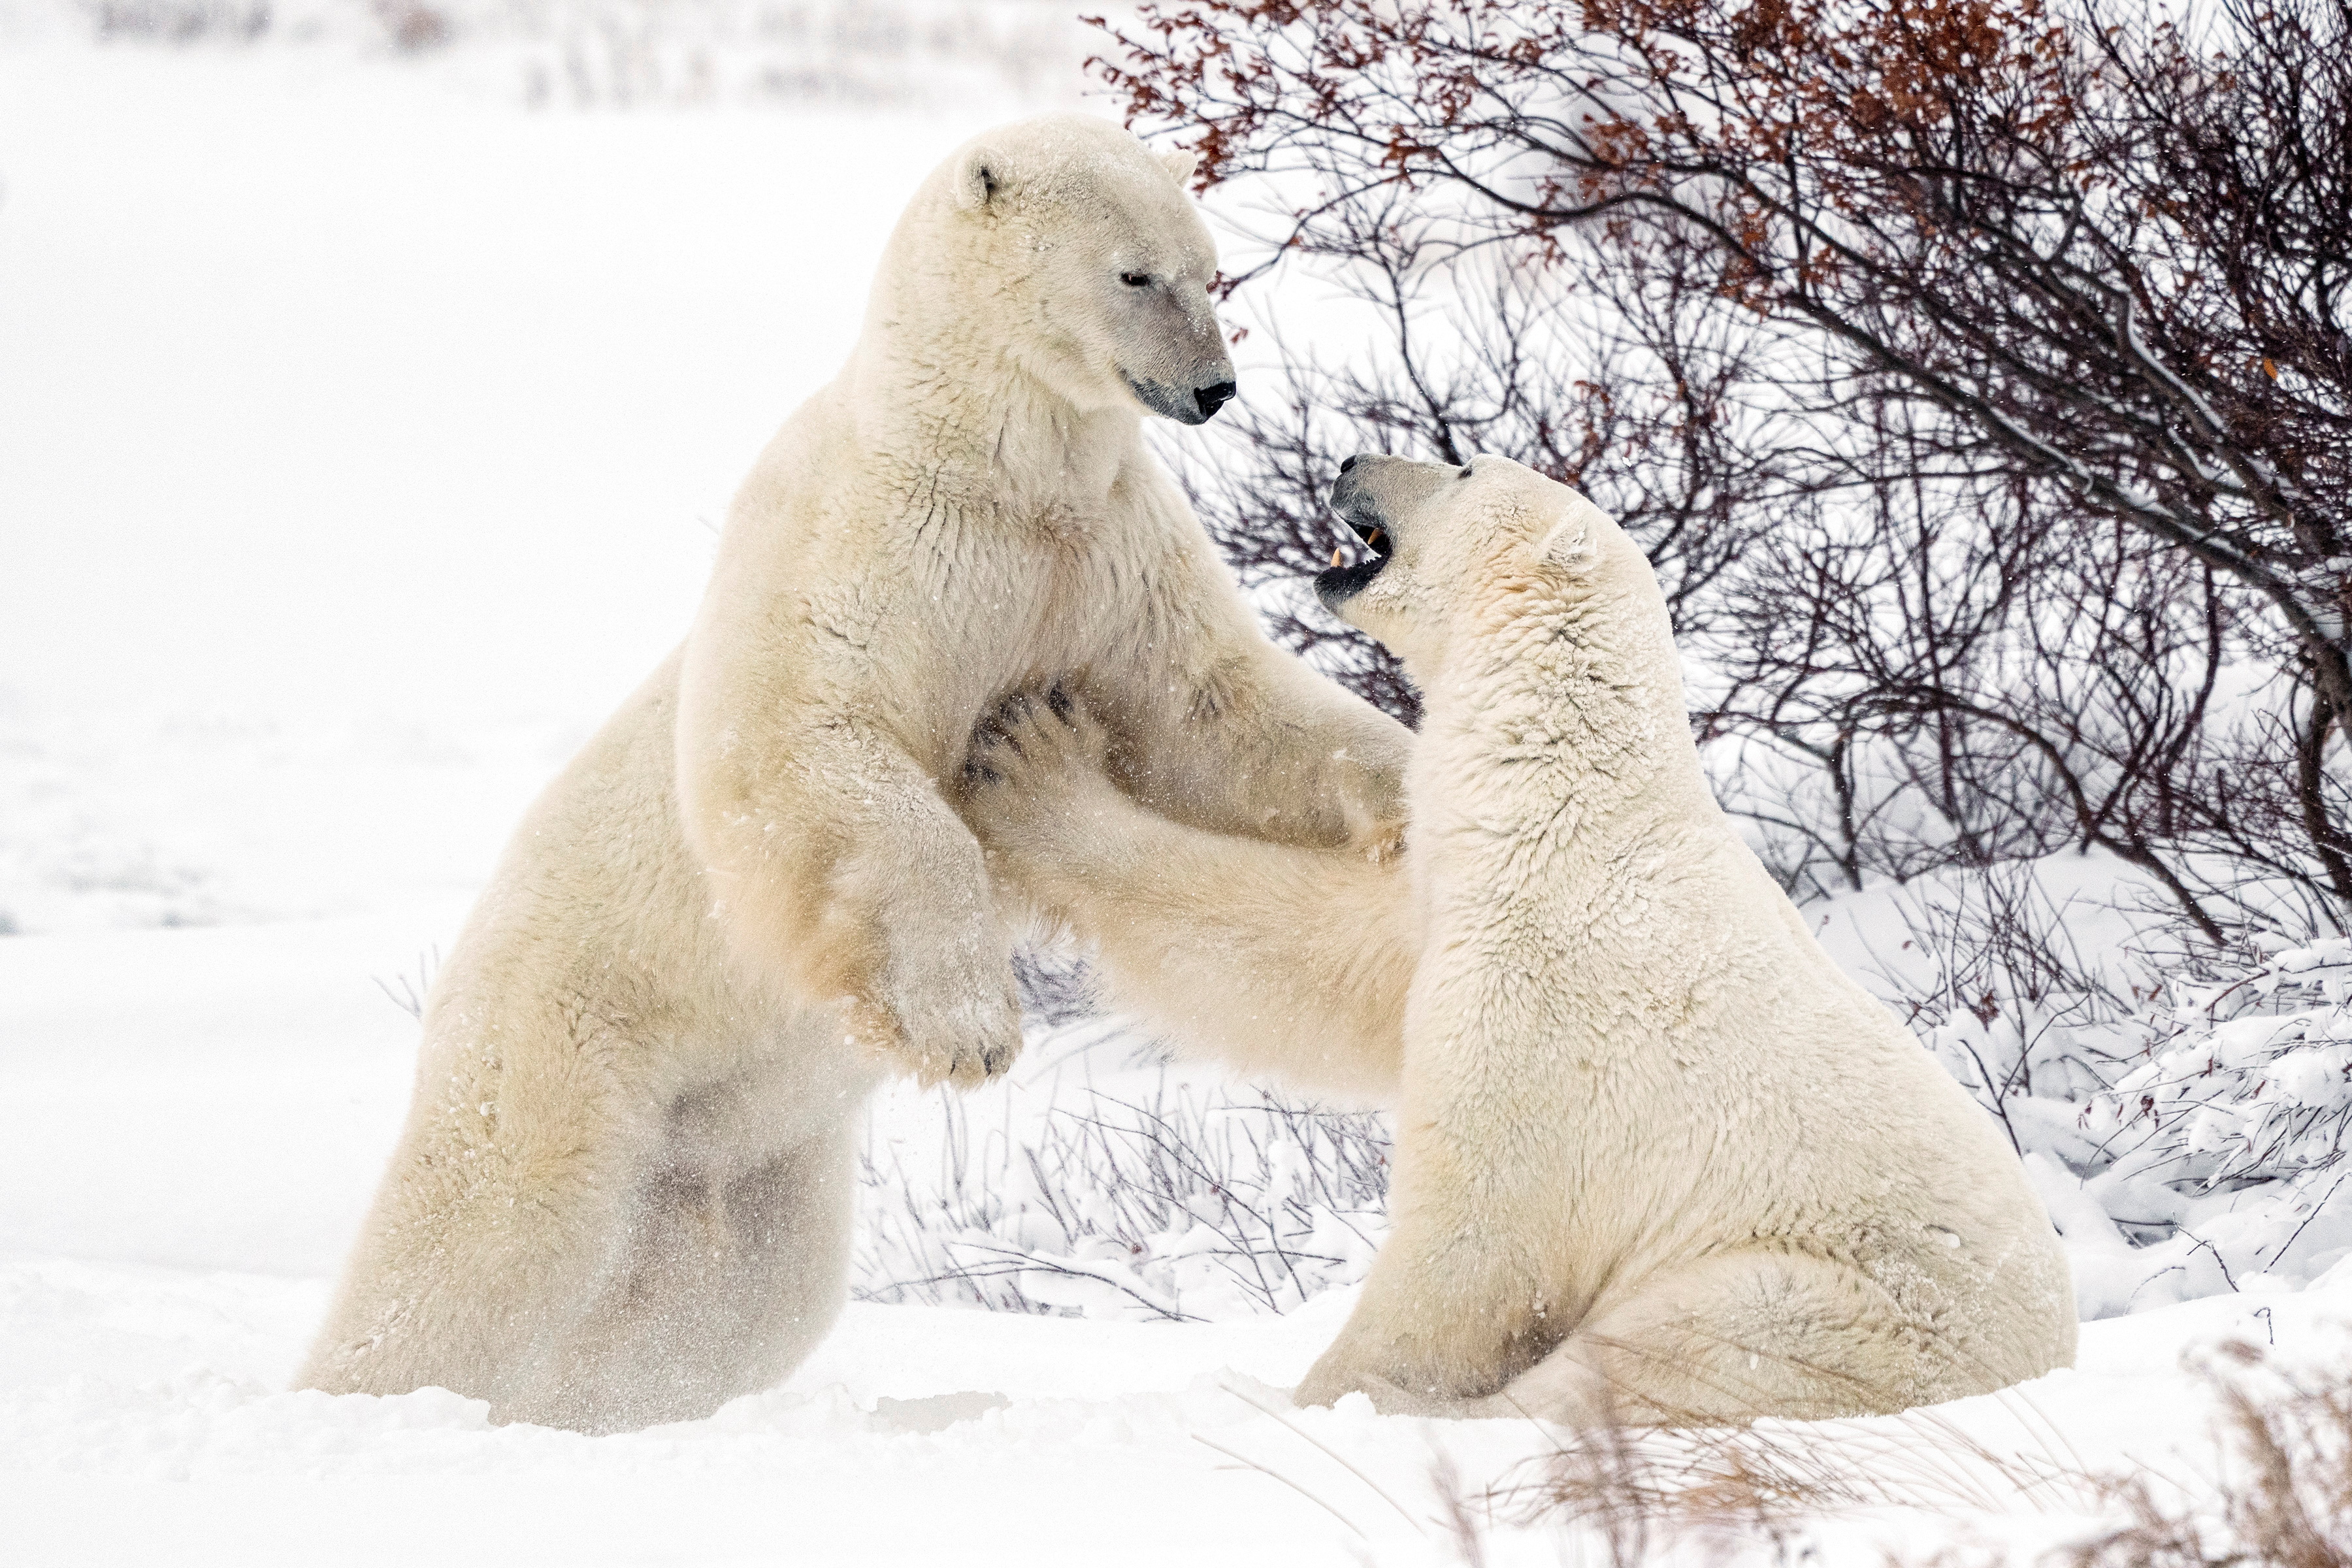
(623, 1194)
(1657, 1161)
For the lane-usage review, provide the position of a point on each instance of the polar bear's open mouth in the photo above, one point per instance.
(1338, 583)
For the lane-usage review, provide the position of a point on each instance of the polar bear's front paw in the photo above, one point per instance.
(1033, 761)
(962, 1046)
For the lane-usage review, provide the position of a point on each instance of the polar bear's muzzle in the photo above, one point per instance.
(1360, 509)
(1190, 404)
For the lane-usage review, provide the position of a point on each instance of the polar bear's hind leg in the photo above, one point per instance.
(725, 1280)
(1722, 1341)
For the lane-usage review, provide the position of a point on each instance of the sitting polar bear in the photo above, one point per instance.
(1657, 1159)
(623, 1195)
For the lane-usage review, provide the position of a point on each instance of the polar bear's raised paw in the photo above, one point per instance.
(962, 1041)
(1034, 766)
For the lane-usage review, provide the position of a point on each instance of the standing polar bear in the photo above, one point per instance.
(623, 1194)
(1657, 1159)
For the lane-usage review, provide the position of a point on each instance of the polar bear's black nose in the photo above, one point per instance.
(1212, 399)
(1349, 464)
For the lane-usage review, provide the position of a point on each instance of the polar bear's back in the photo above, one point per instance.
(1839, 1136)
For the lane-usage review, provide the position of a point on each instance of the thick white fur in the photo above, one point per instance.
(1658, 1161)
(623, 1194)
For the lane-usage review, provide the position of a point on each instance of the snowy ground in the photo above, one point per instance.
(361, 433)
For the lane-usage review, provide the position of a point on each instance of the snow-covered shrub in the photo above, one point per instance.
(2247, 1081)
(2183, 1117)
(1149, 1198)
(2220, 1146)
(635, 53)
(2001, 974)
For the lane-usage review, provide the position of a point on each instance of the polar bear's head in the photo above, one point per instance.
(1445, 540)
(1074, 254)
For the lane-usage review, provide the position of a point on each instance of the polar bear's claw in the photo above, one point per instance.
(1030, 753)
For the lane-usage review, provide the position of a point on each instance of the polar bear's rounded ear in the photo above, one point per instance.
(979, 178)
(1180, 163)
(1568, 547)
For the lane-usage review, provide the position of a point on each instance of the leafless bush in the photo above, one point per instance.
(408, 990)
(2033, 454)
(1622, 380)
(411, 25)
(1992, 978)
(1950, 672)
(620, 53)
(180, 21)
(1178, 1204)
(2279, 1496)
(2184, 1113)
(2229, 1124)
(1638, 1494)
(2283, 1495)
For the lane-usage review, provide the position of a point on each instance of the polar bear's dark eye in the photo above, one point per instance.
(1465, 470)
(1136, 280)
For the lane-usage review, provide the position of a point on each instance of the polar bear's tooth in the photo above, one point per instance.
(1335, 555)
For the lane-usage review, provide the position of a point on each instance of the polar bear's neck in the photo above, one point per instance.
(984, 423)
(1556, 723)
